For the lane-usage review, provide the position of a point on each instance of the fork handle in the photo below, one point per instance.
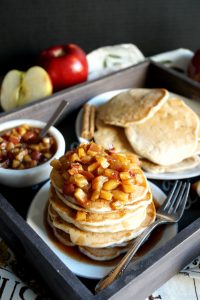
(118, 270)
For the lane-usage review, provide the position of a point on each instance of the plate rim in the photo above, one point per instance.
(95, 271)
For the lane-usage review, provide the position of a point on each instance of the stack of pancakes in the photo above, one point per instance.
(154, 124)
(99, 201)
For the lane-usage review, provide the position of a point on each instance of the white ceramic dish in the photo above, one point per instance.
(178, 58)
(35, 175)
(35, 218)
(103, 98)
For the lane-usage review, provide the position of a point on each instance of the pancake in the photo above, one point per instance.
(103, 254)
(126, 220)
(101, 205)
(106, 209)
(128, 224)
(112, 136)
(62, 236)
(71, 215)
(132, 106)
(167, 138)
(99, 200)
(100, 240)
(186, 164)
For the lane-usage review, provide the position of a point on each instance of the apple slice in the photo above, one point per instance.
(10, 89)
(20, 88)
(35, 85)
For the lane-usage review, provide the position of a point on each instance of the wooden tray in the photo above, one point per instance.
(157, 266)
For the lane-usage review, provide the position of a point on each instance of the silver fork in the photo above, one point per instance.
(170, 212)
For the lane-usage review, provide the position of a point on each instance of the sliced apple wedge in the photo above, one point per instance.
(10, 89)
(35, 85)
(19, 88)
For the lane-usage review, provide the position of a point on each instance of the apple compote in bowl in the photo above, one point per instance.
(25, 159)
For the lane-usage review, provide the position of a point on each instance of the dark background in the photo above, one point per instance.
(29, 26)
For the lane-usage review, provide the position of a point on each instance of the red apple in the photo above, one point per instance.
(65, 64)
(194, 66)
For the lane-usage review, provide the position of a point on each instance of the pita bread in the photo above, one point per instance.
(132, 106)
(167, 138)
(188, 163)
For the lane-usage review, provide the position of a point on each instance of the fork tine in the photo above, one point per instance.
(181, 207)
(170, 195)
(179, 197)
(174, 196)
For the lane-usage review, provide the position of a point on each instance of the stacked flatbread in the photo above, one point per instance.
(160, 128)
(99, 201)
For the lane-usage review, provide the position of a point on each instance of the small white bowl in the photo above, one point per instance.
(35, 175)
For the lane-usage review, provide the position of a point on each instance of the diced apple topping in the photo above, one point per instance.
(112, 174)
(124, 175)
(91, 173)
(100, 171)
(56, 164)
(74, 157)
(80, 180)
(139, 178)
(86, 159)
(119, 195)
(98, 182)
(128, 187)
(117, 205)
(111, 184)
(81, 152)
(80, 215)
(68, 188)
(106, 195)
(93, 166)
(80, 195)
(102, 161)
(95, 195)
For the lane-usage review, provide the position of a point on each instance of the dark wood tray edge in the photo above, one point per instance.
(86, 91)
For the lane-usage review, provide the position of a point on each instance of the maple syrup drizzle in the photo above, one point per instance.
(77, 255)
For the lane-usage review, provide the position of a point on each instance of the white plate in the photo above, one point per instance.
(105, 97)
(35, 219)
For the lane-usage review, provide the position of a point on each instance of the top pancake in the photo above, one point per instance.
(132, 106)
(167, 138)
(100, 205)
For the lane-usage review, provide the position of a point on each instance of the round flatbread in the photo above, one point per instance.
(188, 163)
(132, 106)
(167, 138)
(111, 136)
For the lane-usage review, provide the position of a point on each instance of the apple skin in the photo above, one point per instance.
(66, 65)
(194, 67)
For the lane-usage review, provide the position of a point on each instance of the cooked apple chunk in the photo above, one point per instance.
(106, 195)
(80, 216)
(119, 195)
(111, 184)
(80, 195)
(98, 182)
